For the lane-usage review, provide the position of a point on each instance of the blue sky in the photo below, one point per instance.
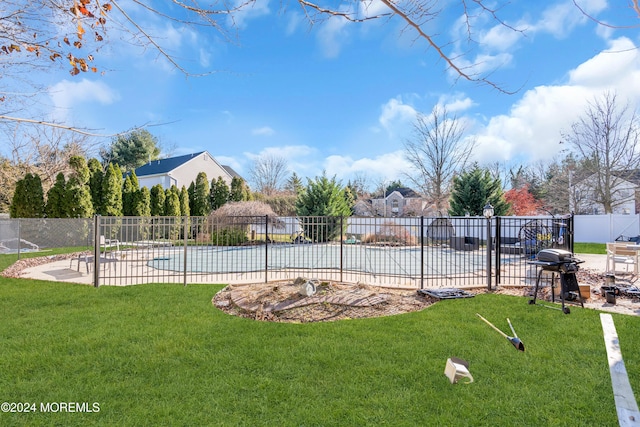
(340, 97)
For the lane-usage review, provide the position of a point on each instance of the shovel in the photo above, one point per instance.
(513, 340)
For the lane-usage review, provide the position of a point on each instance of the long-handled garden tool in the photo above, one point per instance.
(513, 340)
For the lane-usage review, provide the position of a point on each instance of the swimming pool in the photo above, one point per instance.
(405, 261)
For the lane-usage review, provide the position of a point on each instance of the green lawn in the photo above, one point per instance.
(162, 354)
(590, 248)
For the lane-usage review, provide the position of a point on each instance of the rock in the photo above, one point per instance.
(308, 289)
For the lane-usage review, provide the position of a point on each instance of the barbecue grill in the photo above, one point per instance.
(566, 265)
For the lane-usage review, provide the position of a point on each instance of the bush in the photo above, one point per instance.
(229, 236)
(392, 233)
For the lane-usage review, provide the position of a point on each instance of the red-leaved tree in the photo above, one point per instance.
(522, 201)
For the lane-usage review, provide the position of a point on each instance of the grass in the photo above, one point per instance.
(163, 354)
(590, 248)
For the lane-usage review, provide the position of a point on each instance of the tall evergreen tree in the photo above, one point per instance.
(184, 202)
(78, 193)
(157, 200)
(57, 204)
(141, 202)
(473, 189)
(350, 196)
(219, 193)
(239, 191)
(129, 191)
(28, 198)
(134, 180)
(96, 175)
(112, 192)
(201, 205)
(172, 201)
(192, 195)
(323, 197)
(172, 209)
(294, 184)
(128, 197)
(132, 150)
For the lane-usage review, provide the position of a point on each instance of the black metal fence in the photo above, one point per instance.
(418, 252)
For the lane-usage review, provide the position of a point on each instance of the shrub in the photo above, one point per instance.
(393, 233)
(229, 236)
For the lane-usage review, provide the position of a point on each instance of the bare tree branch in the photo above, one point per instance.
(608, 139)
(437, 152)
(346, 15)
(268, 174)
(634, 6)
(50, 124)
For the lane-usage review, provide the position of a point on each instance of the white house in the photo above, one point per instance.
(182, 170)
(624, 192)
(400, 202)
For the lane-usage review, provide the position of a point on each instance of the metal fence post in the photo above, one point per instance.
(422, 252)
(96, 251)
(341, 244)
(489, 253)
(570, 227)
(498, 235)
(184, 259)
(266, 249)
(19, 237)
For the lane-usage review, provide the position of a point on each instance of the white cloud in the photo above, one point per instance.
(228, 115)
(233, 162)
(369, 8)
(294, 19)
(332, 35)
(456, 102)
(496, 44)
(482, 64)
(533, 128)
(301, 158)
(173, 38)
(67, 95)
(250, 10)
(263, 131)
(500, 38)
(616, 65)
(558, 20)
(204, 58)
(288, 152)
(396, 116)
(388, 166)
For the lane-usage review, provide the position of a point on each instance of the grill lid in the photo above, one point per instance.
(556, 256)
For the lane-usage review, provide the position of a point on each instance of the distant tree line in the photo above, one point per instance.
(90, 189)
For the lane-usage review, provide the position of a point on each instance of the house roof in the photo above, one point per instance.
(231, 172)
(156, 167)
(163, 166)
(633, 176)
(406, 192)
(630, 176)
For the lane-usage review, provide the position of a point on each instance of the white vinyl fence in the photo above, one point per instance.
(605, 228)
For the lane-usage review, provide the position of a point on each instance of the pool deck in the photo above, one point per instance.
(69, 272)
